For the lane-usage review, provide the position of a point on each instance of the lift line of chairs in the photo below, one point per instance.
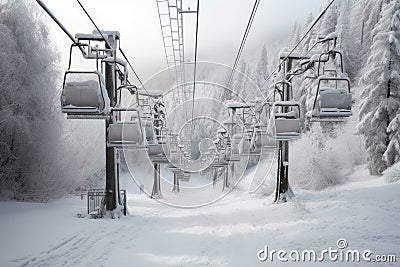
(280, 120)
(84, 96)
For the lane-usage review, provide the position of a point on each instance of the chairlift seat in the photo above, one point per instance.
(335, 100)
(333, 103)
(155, 149)
(84, 97)
(184, 176)
(125, 135)
(149, 130)
(287, 129)
(235, 143)
(238, 105)
(244, 145)
(263, 140)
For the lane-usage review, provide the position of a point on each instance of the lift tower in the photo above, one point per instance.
(283, 189)
(112, 181)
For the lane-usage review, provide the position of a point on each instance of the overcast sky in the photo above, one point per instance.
(221, 27)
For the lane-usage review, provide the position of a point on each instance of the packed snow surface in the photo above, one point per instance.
(365, 211)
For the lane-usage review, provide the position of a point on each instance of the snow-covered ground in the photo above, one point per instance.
(365, 211)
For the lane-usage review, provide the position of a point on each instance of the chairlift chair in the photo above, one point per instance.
(84, 94)
(285, 118)
(245, 142)
(261, 140)
(332, 104)
(185, 177)
(126, 135)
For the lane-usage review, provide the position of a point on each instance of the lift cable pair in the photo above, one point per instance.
(65, 30)
(244, 39)
(315, 22)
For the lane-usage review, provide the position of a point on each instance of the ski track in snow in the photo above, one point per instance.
(227, 233)
(78, 250)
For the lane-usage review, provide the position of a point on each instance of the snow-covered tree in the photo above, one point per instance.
(380, 98)
(392, 154)
(27, 89)
(329, 21)
(261, 71)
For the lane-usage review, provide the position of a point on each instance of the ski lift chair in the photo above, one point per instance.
(126, 135)
(231, 153)
(158, 149)
(173, 154)
(332, 103)
(84, 98)
(245, 142)
(261, 140)
(84, 95)
(185, 177)
(236, 138)
(217, 152)
(286, 119)
(225, 148)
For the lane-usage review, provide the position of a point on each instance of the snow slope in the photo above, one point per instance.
(365, 211)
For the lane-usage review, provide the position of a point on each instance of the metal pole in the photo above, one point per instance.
(156, 193)
(176, 184)
(226, 178)
(215, 176)
(283, 162)
(111, 188)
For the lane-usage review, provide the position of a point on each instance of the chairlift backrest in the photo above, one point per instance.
(332, 103)
(128, 134)
(286, 121)
(84, 92)
(333, 96)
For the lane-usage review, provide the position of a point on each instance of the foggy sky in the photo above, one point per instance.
(221, 27)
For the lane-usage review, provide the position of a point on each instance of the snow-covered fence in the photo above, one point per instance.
(96, 200)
